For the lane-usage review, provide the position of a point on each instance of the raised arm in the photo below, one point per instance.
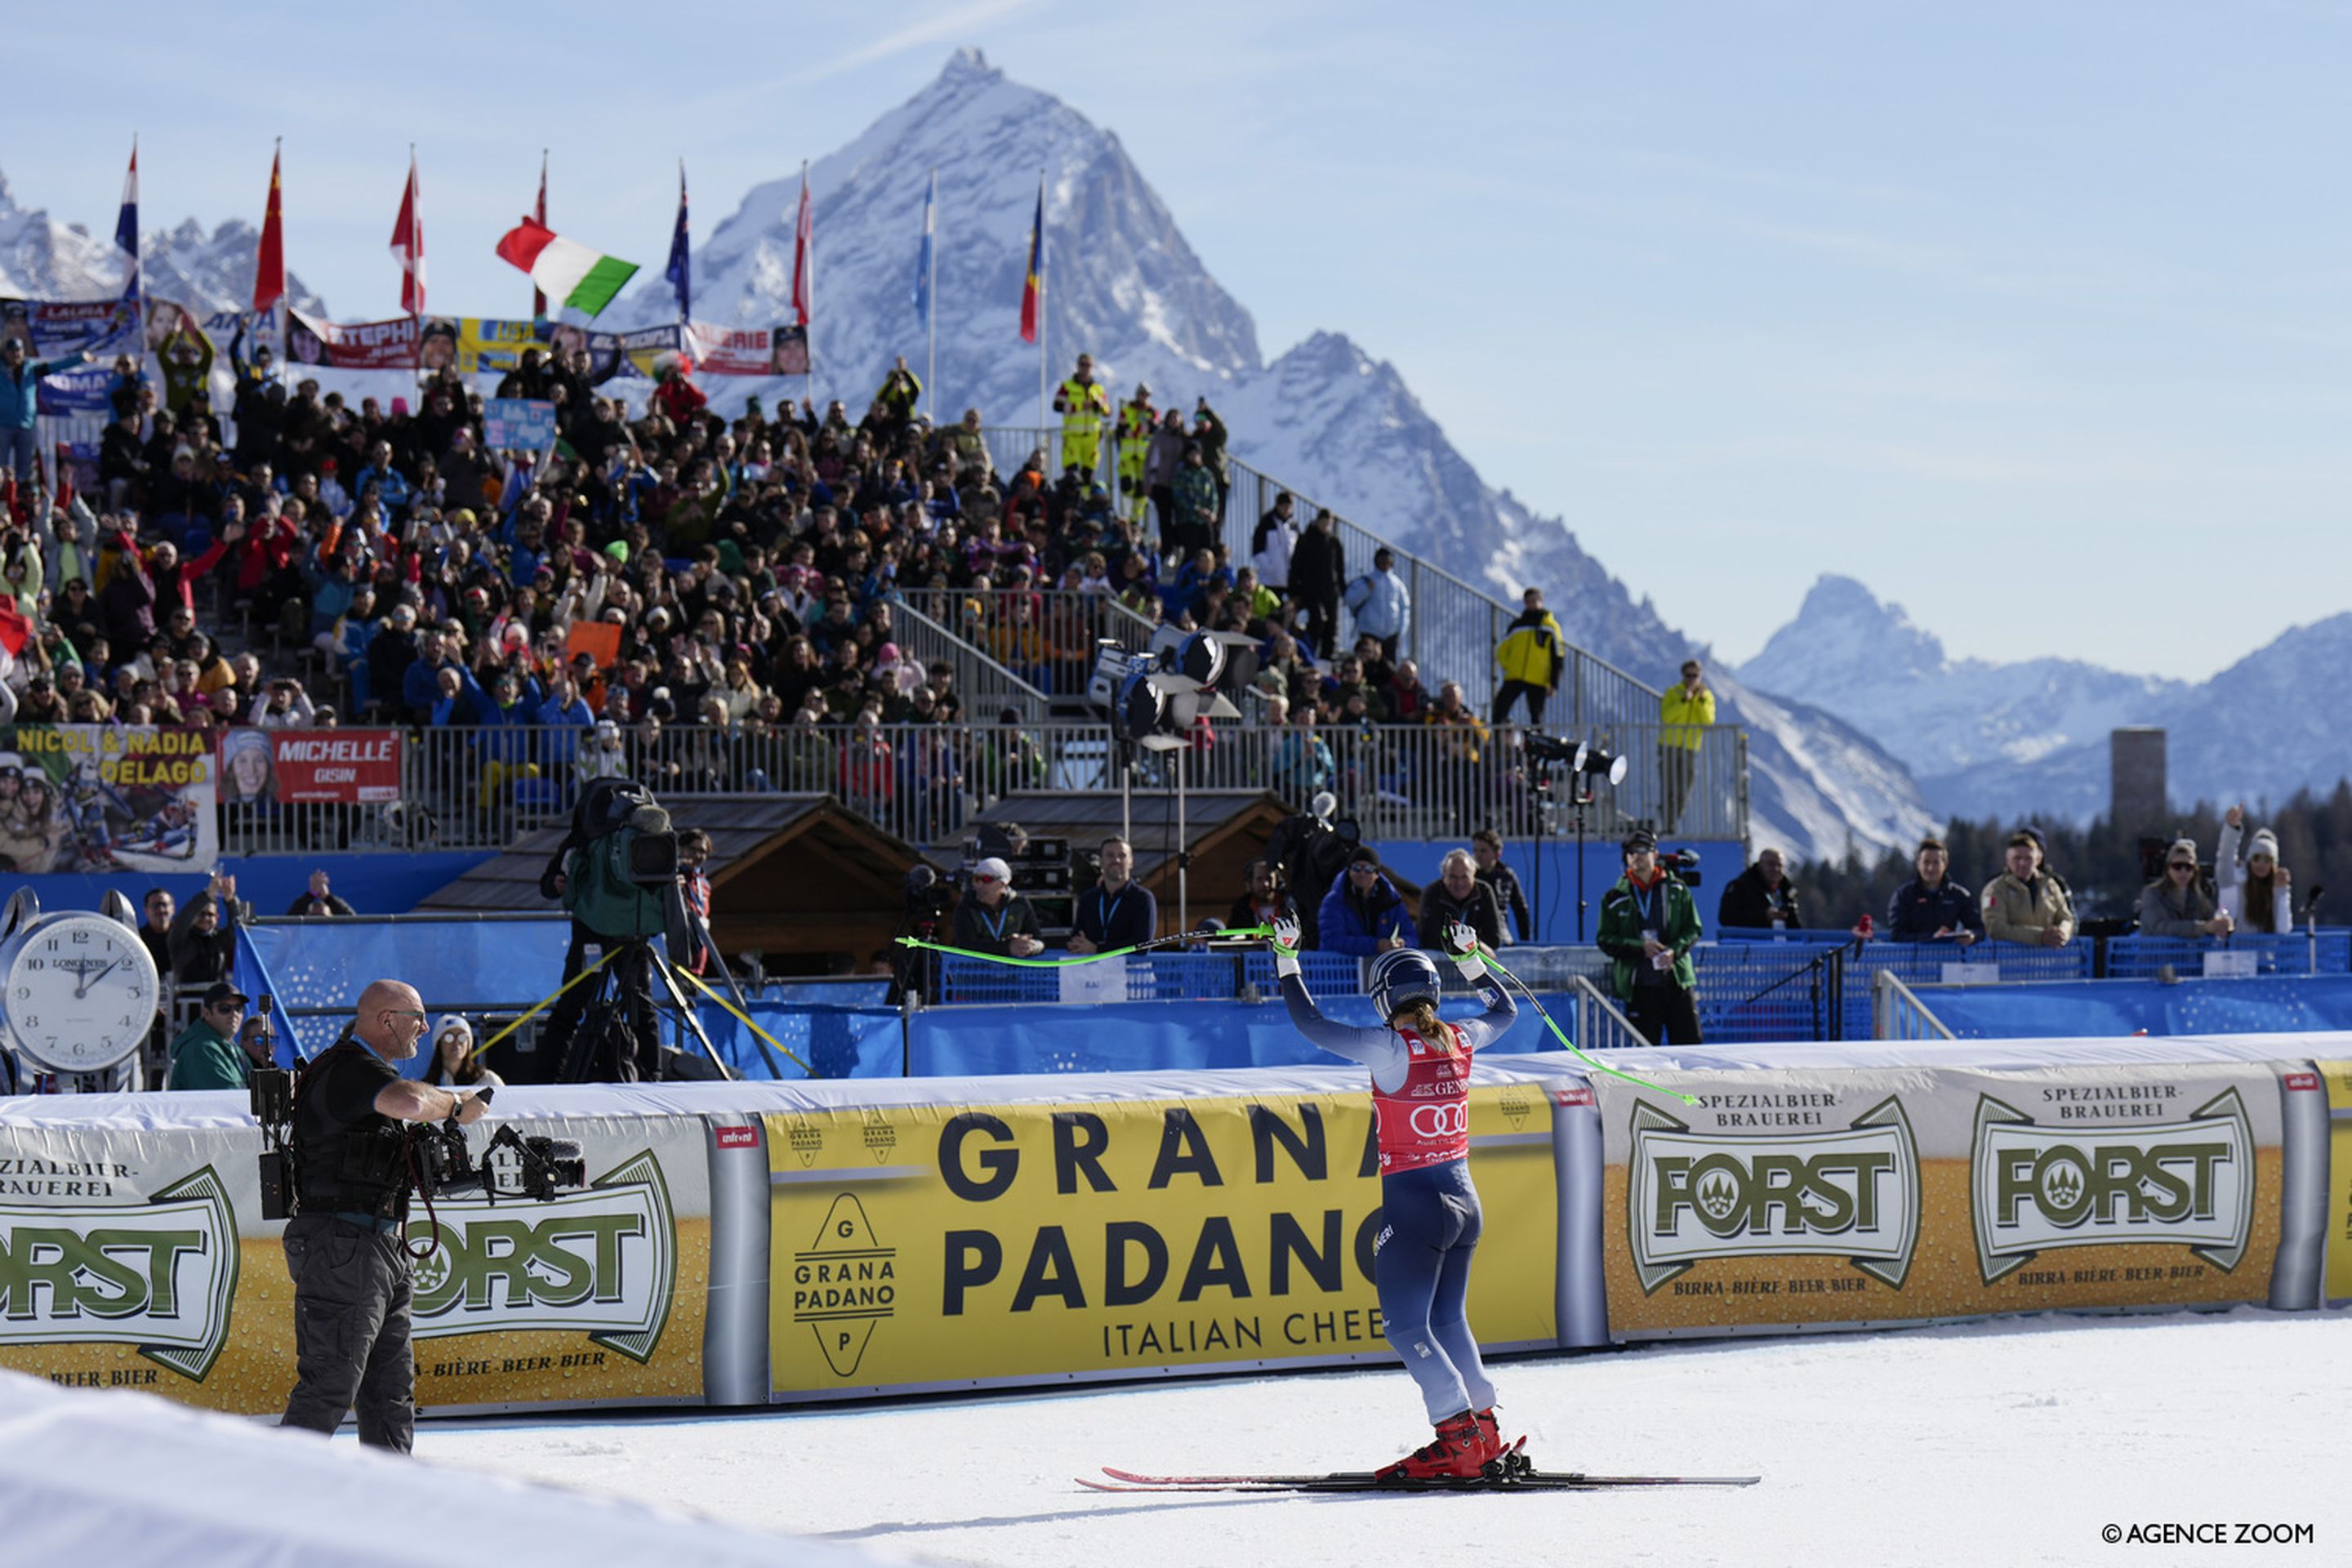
(1376, 1048)
(1502, 1012)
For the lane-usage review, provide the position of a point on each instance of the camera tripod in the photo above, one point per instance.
(618, 1036)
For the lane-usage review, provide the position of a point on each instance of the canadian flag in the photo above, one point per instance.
(408, 246)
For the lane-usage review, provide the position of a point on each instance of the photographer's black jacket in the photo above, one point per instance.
(1747, 902)
(351, 1158)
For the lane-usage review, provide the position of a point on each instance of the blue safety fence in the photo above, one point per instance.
(1923, 964)
(835, 1037)
(1326, 973)
(1144, 1037)
(1757, 991)
(2327, 952)
(1146, 977)
(2094, 1009)
(455, 965)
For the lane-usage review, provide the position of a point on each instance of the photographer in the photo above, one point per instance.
(343, 1247)
(1266, 901)
(1648, 926)
(993, 918)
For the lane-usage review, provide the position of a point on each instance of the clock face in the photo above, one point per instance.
(79, 992)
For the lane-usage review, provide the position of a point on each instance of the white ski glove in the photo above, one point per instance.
(1461, 946)
(1285, 947)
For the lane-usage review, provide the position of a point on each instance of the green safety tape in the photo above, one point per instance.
(1237, 933)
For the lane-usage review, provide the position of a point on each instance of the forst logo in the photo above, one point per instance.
(159, 1275)
(2036, 1188)
(600, 1262)
(1852, 1193)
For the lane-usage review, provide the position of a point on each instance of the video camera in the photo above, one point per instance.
(546, 1167)
(437, 1160)
(1682, 863)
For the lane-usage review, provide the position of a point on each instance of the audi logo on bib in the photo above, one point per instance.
(1441, 1120)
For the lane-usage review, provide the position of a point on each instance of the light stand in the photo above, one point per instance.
(1588, 767)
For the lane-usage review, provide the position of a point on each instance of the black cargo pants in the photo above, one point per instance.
(351, 1330)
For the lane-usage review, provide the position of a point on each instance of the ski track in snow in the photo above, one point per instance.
(2002, 1442)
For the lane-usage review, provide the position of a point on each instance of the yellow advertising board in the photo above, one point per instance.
(140, 1259)
(2337, 1076)
(930, 1247)
(1789, 1198)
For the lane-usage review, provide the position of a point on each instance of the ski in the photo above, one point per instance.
(1366, 1482)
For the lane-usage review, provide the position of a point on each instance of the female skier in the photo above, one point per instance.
(1429, 1211)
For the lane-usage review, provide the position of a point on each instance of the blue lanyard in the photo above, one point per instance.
(1642, 901)
(996, 926)
(1105, 908)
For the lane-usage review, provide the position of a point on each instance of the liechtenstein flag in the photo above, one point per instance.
(1033, 292)
(126, 224)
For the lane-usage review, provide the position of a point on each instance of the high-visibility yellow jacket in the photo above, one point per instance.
(1685, 716)
(1532, 652)
(1085, 405)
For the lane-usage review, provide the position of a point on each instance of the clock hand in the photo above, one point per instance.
(88, 981)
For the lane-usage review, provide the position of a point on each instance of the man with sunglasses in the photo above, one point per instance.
(343, 1246)
(222, 1047)
(2177, 904)
(992, 918)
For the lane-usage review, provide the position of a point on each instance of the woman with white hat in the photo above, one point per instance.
(454, 1061)
(2254, 893)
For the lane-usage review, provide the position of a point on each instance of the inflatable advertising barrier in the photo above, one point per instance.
(1784, 1199)
(2339, 1077)
(742, 1244)
(138, 1257)
(935, 1246)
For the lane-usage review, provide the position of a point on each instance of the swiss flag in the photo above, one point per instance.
(15, 630)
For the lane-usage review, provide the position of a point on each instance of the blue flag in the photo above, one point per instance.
(923, 260)
(678, 271)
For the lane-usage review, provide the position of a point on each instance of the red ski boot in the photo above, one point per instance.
(1506, 1450)
(1460, 1453)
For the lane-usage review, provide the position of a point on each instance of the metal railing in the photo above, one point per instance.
(1045, 636)
(1898, 1013)
(1453, 625)
(988, 686)
(1600, 1026)
(478, 787)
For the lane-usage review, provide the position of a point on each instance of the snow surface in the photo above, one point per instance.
(2007, 1441)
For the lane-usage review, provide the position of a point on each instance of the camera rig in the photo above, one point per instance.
(439, 1161)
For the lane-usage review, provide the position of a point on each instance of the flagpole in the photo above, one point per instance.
(1041, 307)
(537, 299)
(932, 304)
(812, 279)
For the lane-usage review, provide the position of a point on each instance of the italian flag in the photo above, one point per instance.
(565, 270)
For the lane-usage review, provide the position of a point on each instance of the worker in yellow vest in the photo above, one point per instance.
(1684, 712)
(1085, 407)
(1137, 419)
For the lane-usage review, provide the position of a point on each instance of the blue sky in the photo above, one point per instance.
(2029, 316)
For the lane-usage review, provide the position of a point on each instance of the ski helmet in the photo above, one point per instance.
(1400, 976)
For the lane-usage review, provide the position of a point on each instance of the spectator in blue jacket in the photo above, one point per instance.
(420, 685)
(1382, 605)
(1363, 914)
(566, 713)
(20, 389)
(1931, 907)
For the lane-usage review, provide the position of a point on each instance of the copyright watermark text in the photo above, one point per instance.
(2207, 1532)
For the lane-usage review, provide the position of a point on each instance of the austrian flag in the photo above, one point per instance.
(565, 270)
